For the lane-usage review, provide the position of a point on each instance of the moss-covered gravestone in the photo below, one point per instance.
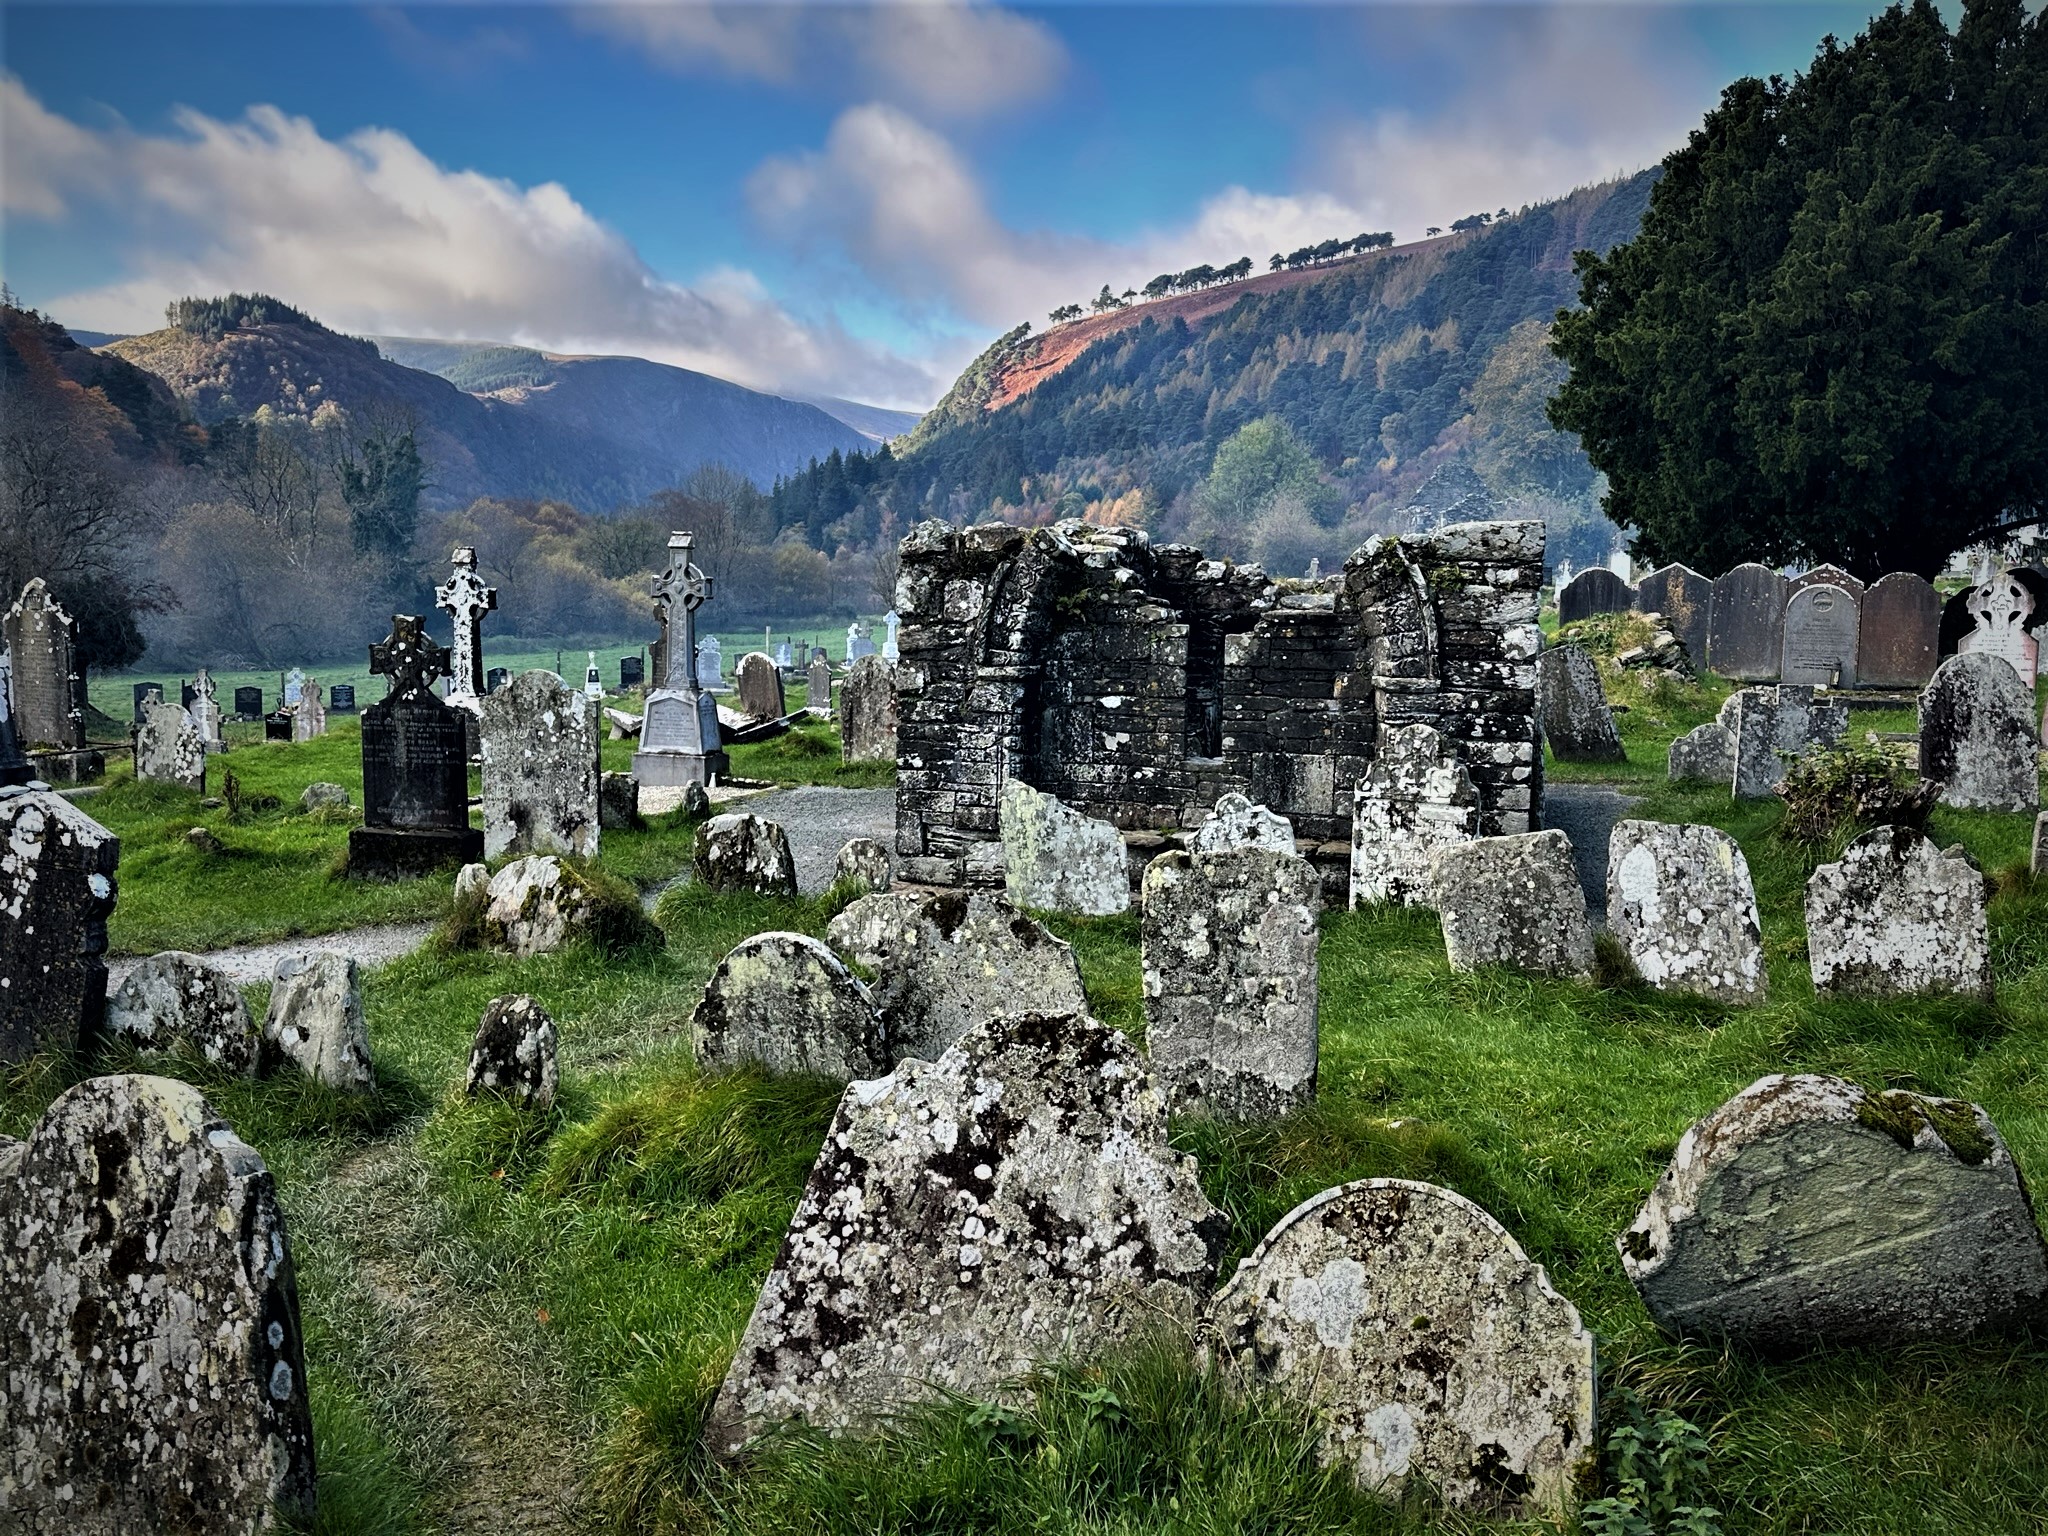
(56, 894)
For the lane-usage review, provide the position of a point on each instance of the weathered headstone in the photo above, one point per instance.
(1415, 798)
(540, 751)
(759, 682)
(867, 712)
(316, 1022)
(863, 862)
(512, 1053)
(890, 650)
(1895, 917)
(1054, 858)
(679, 739)
(2038, 863)
(1825, 575)
(632, 672)
(1680, 900)
(154, 1375)
(2001, 605)
(1597, 590)
(309, 715)
(465, 598)
(177, 1002)
(1807, 1212)
(1513, 901)
(1572, 704)
(1012, 1203)
(738, 852)
(858, 642)
(56, 893)
(168, 749)
(248, 703)
(946, 963)
(785, 1002)
(1706, 753)
(1900, 632)
(49, 689)
(818, 687)
(294, 685)
(143, 693)
(15, 767)
(415, 765)
(206, 712)
(783, 660)
(1229, 964)
(711, 665)
(1767, 724)
(536, 904)
(1977, 735)
(1822, 626)
(1685, 600)
(1238, 821)
(1746, 624)
(341, 699)
(496, 678)
(618, 802)
(1432, 1349)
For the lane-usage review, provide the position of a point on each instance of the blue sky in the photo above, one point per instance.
(843, 199)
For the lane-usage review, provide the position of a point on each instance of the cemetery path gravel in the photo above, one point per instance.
(818, 820)
(1586, 813)
(249, 963)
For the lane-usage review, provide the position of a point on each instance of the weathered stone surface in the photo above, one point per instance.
(1011, 1203)
(1238, 821)
(1429, 1344)
(416, 753)
(759, 684)
(2000, 607)
(1057, 860)
(56, 893)
(738, 852)
(1822, 631)
(1414, 799)
(1895, 917)
(154, 1376)
(537, 904)
(2039, 862)
(1679, 899)
(1746, 627)
(323, 796)
(168, 749)
(867, 712)
(48, 685)
(818, 686)
(1229, 956)
(540, 753)
(1573, 707)
(1899, 640)
(948, 962)
(618, 802)
(1706, 753)
(472, 881)
(785, 1002)
(316, 1023)
(1808, 1212)
(1685, 600)
(1977, 735)
(1513, 901)
(1769, 724)
(177, 1002)
(1595, 590)
(513, 1053)
(863, 862)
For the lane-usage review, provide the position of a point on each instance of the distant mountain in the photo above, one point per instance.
(875, 421)
(134, 411)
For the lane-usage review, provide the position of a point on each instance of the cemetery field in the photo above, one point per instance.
(517, 1323)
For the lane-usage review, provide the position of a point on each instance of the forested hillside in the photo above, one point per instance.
(1360, 379)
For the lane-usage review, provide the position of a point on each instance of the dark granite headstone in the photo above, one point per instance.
(341, 699)
(497, 678)
(278, 727)
(1821, 626)
(142, 693)
(248, 703)
(1593, 591)
(632, 672)
(1746, 627)
(415, 765)
(1685, 598)
(186, 693)
(1900, 633)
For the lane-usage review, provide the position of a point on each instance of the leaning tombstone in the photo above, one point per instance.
(1014, 1203)
(818, 687)
(1054, 858)
(1679, 899)
(1415, 798)
(316, 1022)
(738, 852)
(1572, 705)
(1770, 724)
(415, 766)
(1999, 608)
(862, 863)
(540, 769)
(867, 712)
(1706, 753)
(1597, 590)
(1977, 737)
(1808, 1212)
(1899, 635)
(1431, 1348)
(56, 893)
(1685, 600)
(785, 1002)
(1822, 627)
(1746, 624)
(155, 1370)
(1894, 917)
(760, 687)
(679, 734)
(168, 749)
(1229, 968)
(512, 1054)
(1238, 822)
(175, 1002)
(1513, 901)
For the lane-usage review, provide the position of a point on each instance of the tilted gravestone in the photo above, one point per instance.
(415, 765)
(867, 712)
(1706, 753)
(1746, 624)
(2000, 607)
(1415, 798)
(1513, 901)
(154, 1371)
(1977, 735)
(1572, 706)
(512, 1053)
(177, 1002)
(1822, 627)
(1229, 967)
(49, 689)
(1429, 1345)
(739, 852)
(759, 683)
(1685, 600)
(864, 863)
(1807, 1212)
(785, 1002)
(1013, 1203)
(1769, 723)
(1900, 632)
(540, 770)
(168, 749)
(56, 893)
(316, 1023)
(1057, 860)
(818, 687)
(1680, 900)
(1597, 590)
(1895, 917)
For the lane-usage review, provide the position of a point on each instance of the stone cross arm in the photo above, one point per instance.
(408, 657)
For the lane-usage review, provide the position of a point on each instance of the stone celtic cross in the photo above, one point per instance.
(205, 686)
(683, 586)
(408, 659)
(466, 599)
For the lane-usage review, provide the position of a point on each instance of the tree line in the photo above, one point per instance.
(1196, 279)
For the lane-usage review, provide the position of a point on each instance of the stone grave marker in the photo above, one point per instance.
(206, 712)
(177, 1002)
(294, 684)
(711, 664)
(818, 688)
(739, 852)
(783, 661)
(540, 768)
(867, 712)
(1415, 798)
(309, 715)
(56, 893)
(142, 692)
(1054, 858)
(415, 765)
(1899, 639)
(1597, 590)
(759, 682)
(15, 767)
(496, 678)
(864, 863)
(49, 691)
(593, 684)
(858, 642)
(1680, 900)
(2000, 607)
(1825, 575)
(1685, 600)
(513, 1053)
(785, 1002)
(1767, 722)
(248, 703)
(890, 650)
(278, 727)
(1977, 735)
(168, 749)
(1822, 626)
(2038, 863)
(1894, 917)
(618, 802)
(1572, 705)
(465, 598)
(679, 735)
(316, 1022)
(341, 699)
(1746, 624)
(1513, 901)
(632, 672)
(1706, 753)
(1238, 821)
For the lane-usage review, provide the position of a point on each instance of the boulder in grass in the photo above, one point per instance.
(324, 797)
(862, 863)
(512, 1053)
(744, 853)
(316, 1023)
(537, 904)
(785, 1002)
(175, 1002)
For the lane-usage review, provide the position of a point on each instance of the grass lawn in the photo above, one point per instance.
(517, 1325)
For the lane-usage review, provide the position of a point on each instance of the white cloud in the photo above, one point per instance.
(370, 235)
(951, 58)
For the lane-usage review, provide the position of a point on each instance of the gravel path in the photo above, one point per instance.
(246, 963)
(1586, 813)
(818, 820)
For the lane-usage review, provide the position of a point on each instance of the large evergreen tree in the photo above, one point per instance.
(1826, 341)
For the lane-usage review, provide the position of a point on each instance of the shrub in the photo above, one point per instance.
(1849, 790)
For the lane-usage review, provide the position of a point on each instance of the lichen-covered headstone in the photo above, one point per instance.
(1012, 1203)
(56, 894)
(1229, 968)
(1513, 901)
(540, 757)
(1895, 917)
(1414, 799)
(154, 1378)
(315, 1022)
(1679, 899)
(1807, 1212)
(1057, 860)
(1572, 705)
(618, 802)
(1977, 735)
(1430, 1346)
(513, 1053)
(177, 1002)
(537, 904)
(1241, 822)
(945, 963)
(1770, 724)
(738, 852)
(785, 1002)
(759, 683)
(867, 712)
(1705, 754)
(862, 862)
(168, 749)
